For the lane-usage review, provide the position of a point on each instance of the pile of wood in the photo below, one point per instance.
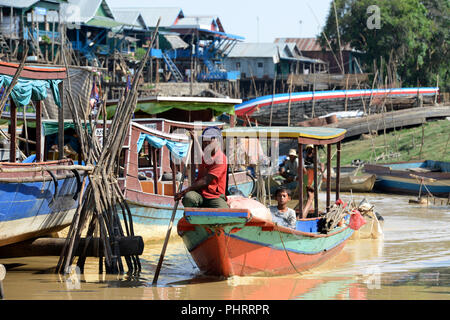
(103, 200)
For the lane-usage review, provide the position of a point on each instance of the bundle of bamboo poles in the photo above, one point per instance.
(103, 199)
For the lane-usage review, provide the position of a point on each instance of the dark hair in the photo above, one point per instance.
(283, 189)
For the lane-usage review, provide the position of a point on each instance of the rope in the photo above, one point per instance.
(287, 254)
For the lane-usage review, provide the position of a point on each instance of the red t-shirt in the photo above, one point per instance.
(218, 168)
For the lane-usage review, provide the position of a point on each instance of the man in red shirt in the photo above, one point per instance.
(208, 190)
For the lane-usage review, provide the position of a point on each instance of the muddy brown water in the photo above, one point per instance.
(412, 261)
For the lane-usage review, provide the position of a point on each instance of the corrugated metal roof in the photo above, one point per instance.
(269, 50)
(254, 50)
(89, 8)
(79, 11)
(132, 18)
(168, 15)
(199, 22)
(17, 3)
(307, 44)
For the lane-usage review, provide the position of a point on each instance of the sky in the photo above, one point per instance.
(255, 20)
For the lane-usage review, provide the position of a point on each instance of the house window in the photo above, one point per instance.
(260, 65)
(238, 65)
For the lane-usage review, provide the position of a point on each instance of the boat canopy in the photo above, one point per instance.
(157, 104)
(315, 135)
(33, 82)
(51, 126)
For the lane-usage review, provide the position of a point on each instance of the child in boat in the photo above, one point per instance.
(282, 215)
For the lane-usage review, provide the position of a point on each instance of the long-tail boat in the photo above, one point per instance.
(37, 197)
(240, 241)
(427, 177)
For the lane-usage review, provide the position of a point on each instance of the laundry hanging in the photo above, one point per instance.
(178, 149)
(26, 90)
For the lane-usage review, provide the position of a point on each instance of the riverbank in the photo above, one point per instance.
(427, 141)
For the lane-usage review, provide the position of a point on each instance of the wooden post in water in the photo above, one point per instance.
(338, 169)
(300, 178)
(61, 121)
(38, 106)
(12, 131)
(154, 153)
(316, 189)
(328, 177)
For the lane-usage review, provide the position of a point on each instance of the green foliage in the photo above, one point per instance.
(140, 53)
(413, 35)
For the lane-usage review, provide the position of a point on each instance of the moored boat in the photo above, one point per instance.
(350, 181)
(243, 240)
(37, 197)
(412, 177)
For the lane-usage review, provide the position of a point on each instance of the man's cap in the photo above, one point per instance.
(292, 152)
(309, 146)
(212, 132)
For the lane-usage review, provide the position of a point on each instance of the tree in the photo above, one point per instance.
(412, 37)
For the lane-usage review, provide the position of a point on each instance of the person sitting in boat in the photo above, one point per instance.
(308, 160)
(289, 169)
(282, 215)
(208, 190)
(71, 142)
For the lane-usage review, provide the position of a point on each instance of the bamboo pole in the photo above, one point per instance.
(86, 168)
(103, 196)
(169, 229)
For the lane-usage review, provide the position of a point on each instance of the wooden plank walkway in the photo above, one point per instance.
(391, 120)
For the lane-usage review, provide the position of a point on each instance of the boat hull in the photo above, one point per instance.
(151, 213)
(32, 209)
(362, 183)
(400, 185)
(412, 177)
(258, 248)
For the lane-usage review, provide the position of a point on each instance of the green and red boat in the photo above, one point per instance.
(241, 241)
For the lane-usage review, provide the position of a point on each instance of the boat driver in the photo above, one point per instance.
(208, 189)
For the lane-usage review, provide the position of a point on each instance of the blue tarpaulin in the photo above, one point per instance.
(178, 149)
(26, 90)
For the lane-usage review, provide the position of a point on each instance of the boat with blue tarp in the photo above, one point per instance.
(37, 196)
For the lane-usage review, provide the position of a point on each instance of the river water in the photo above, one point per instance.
(412, 261)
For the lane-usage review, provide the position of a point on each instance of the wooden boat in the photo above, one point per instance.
(349, 181)
(241, 241)
(36, 197)
(412, 177)
(297, 106)
(231, 242)
(151, 204)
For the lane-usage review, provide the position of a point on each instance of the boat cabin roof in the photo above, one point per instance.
(160, 134)
(34, 72)
(313, 135)
(181, 124)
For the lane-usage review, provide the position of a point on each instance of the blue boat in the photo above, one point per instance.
(34, 204)
(412, 177)
(37, 197)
